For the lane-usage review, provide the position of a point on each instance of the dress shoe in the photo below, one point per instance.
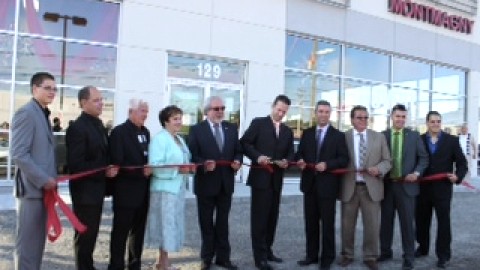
(371, 264)
(407, 265)
(273, 258)
(384, 258)
(206, 265)
(344, 261)
(307, 261)
(325, 266)
(263, 265)
(442, 264)
(420, 253)
(226, 264)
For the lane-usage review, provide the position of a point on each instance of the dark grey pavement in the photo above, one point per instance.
(289, 244)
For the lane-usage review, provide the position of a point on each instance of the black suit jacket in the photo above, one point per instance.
(448, 153)
(130, 188)
(260, 139)
(86, 141)
(333, 152)
(203, 146)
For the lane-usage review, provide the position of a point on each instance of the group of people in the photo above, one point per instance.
(147, 179)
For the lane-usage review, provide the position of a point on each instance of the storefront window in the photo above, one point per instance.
(448, 95)
(85, 20)
(6, 52)
(412, 74)
(7, 14)
(310, 54)
(366, 65)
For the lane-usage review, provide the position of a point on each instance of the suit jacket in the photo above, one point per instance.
(87, 149)
(130, 187)
(260, 139)
(33, 150)
(333, 152)
(448, 152)
(378, 155)
(203, 146)
(414, 157)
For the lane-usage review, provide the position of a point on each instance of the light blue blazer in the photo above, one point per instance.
(163, 150)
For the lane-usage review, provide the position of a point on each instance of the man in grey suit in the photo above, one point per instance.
(409, 161)
(369, 153)
(33, 151)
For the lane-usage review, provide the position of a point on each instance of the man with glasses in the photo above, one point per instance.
(267, 140)
(445, 153)
(325, 147)
(209, 141)
(362, 187)
(33, 152)
(409, 161)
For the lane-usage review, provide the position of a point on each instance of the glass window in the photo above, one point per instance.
(448, 94)
(304, 53)
(416, 102)
(87, 20)
(4, 127)
(366, 65)
(6, 51)
(413, 74)
(84, 64)
(7, 15)
(449, 81)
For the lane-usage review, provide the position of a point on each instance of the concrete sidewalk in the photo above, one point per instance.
(289, 243)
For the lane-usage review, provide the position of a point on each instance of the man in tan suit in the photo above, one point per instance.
(363, 190)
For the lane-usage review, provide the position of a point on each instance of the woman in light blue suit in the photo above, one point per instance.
(165, 222)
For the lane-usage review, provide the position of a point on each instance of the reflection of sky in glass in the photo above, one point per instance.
(449, 81)
(6, 45)
(102, 19)
(7, 14)
(366, 65)
(410, 73)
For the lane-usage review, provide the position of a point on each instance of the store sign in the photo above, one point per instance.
(431, 15)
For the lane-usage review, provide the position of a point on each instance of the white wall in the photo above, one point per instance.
(248, 30)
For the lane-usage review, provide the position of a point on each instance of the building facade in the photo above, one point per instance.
(376, 53)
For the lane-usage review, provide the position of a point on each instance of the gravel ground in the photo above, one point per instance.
(290, 242)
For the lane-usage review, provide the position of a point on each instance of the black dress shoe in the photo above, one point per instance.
(206, 265)
(307, 261)
(420, 253)
(407, 265)
(273, 258)
(226, 264)
(263, 265)
(325, 266)
(384, 257)
(442, 264)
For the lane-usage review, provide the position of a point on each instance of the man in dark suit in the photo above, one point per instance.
(87, 149)
(444, 151)
(363, 191)
(267, 140)
(409, 161)
(324, 146)
(33, 151)
(210, 140)
(128, 146)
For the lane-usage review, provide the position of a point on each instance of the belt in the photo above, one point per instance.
(358, 183)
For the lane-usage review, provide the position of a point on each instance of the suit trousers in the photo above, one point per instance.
(371, 224)
(396, 198)
(213, 212)
(84, 244)
(426, 203)
(264, 210)
(128, 226)
(31, 234)
(319, 211)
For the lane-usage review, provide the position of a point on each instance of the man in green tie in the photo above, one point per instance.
(401, 186)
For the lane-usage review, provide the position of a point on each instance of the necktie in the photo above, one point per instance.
(277, 128)
(397, 156)
(218, 136)
(319, 142)
(362, 151)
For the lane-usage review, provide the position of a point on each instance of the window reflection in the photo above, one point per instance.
(6, 51)
(366, 65)
(102, 19)
(304, 53)
(7, 14)
(413, 74)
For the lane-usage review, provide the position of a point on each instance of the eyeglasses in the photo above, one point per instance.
(435, 121)
(217, 109)
(361, 117)
(49, 88)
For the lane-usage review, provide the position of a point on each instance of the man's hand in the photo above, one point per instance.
(263, 160)
(452, 177)
(282, 163)
(373, 171)
(321, 166)
(51, 184)
(412, 177)
(301, 164)
(111, 171)
(209, 165)
(147, 171)
(236, 165)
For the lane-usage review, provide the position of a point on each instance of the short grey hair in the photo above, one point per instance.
(136, 103)
(209, 101)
